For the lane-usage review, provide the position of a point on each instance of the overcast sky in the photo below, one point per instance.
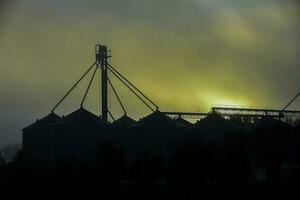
(185, 54)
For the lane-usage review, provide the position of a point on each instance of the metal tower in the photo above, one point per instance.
(102, 64)
(101, 59)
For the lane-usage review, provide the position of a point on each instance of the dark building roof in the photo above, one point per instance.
(81, 116)
(214, 129)
(270, 135)
(158, 119)
(183, 122)
(46, 121)
(269, 122)
(213, 120)
(156, 134)
(123, 122)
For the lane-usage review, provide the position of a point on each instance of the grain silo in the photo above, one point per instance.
(36, 141)
(270, 141)
(123, 123)
(183, 122)
(214, 129)
(155, 134)
(79, 135)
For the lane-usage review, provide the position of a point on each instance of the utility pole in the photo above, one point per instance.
(101, 58)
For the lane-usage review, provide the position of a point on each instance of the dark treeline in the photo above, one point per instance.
(241, 160)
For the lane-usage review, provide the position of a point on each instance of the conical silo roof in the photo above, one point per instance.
(158, 119)
(46, 121)
(81, 116)
(214, 121)
(268, 122)
(183, 122)
(214, 129)
(123, 122)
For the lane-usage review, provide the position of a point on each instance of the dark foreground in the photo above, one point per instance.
(248, 163)
(146, 178)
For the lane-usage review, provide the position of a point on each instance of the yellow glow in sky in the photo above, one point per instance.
(185, 55)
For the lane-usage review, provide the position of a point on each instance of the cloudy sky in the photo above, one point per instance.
(185, 54)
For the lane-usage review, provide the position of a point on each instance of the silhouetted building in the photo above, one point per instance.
(270, 142)
(214, 129)
(36, 137)
(155, 134)
(183, 122)
(123, 123)
(79, 134)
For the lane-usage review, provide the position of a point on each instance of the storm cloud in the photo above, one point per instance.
(186, 55)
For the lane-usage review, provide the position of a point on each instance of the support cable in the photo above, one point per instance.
(116, 71)
(111, 115)
(116, 94)
(291, 102)
(73, 87)
(88, 88)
